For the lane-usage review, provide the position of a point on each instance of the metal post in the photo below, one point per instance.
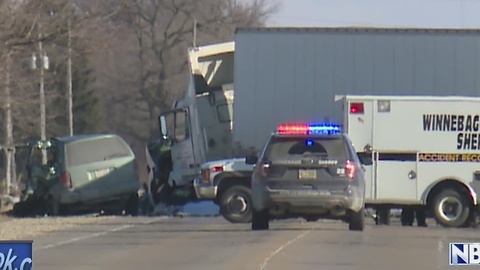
(14, 182)
(9, 125)
(69, 79)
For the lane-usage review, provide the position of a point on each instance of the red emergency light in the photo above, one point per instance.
(293, 128)
(308, 128)
(356, 108)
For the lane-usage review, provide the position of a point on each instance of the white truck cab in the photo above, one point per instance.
(198, 130)
(200, 123)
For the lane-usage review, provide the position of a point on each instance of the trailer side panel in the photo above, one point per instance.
(293, 74)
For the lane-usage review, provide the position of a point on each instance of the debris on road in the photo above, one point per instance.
(201, 209)
(194, 209)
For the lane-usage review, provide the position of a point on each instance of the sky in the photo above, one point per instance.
(380, 13)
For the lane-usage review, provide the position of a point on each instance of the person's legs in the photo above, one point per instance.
(407, 216)
(420, 214)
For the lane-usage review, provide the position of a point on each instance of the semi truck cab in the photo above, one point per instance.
(198, 128)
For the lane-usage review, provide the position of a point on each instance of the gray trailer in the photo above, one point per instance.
(293, 74)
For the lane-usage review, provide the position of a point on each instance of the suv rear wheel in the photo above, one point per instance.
(357, 220)
(260, 220)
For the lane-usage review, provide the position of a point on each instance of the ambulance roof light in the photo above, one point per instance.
(306, 129)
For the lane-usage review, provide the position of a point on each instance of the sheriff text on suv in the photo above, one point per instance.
(308, 171)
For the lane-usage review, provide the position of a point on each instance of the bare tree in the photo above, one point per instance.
(162, 32)
(25, 28)
(141, 68)
(137, 48)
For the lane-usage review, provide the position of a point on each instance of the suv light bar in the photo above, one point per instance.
(305, 129)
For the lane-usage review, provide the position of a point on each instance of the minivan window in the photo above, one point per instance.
(291, 148)
(91, 151)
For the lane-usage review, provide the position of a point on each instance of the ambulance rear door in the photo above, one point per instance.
(358, 124)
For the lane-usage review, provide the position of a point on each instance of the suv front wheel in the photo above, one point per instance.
(357, 220)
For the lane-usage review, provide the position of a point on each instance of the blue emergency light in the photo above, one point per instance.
(306, 129)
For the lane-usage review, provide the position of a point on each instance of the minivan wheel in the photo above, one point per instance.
(260, 220)
(357, 220)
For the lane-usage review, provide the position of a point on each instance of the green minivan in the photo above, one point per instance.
(94, 172)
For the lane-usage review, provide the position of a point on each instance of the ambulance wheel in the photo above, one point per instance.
(450, 208)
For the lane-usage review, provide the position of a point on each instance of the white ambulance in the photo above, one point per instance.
(418, 151)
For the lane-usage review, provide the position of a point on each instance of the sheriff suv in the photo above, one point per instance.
(308, 171)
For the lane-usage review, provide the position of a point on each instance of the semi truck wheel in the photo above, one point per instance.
(236, 204)
(450, 208)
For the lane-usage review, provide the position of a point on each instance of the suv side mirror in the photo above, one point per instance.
(251, 160)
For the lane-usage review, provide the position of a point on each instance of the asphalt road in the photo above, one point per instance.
(212, 243)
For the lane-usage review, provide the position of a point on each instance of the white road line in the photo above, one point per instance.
(265, 262)
(80, 238)
(76, 239)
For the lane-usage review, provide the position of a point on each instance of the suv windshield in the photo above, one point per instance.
(332, 148)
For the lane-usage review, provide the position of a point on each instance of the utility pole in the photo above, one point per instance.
(69, 80)
(194, 32)
(43, 132)
(9, 155)
(43, 65)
